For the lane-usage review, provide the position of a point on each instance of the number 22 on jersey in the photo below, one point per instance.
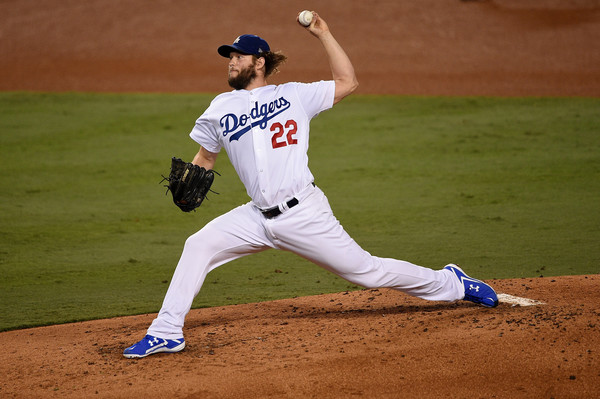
(284, 135)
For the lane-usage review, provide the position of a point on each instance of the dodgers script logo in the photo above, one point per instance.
(259, 116)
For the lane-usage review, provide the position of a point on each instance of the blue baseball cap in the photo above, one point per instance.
(245, 44)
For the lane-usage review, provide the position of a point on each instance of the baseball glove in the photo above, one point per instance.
(188, 183)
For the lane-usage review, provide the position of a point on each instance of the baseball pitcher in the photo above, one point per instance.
(265, 131)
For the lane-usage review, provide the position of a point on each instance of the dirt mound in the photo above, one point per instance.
(370, 343)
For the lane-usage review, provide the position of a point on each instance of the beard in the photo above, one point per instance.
(243, 78)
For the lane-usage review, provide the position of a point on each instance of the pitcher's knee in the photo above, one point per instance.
(371, 275)
(364, 280)
(202, 240)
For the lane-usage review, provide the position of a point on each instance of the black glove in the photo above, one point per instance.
(189, 184)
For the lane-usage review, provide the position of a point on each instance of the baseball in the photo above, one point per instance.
(305, 17)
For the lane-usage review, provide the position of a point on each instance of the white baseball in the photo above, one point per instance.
(305, 17)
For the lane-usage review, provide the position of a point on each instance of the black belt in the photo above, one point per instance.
(275, 211)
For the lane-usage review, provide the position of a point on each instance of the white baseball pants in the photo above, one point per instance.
(310, 230)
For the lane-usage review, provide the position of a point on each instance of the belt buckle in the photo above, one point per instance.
(271, 213)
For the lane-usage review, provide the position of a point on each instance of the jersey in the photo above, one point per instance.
(265, 133)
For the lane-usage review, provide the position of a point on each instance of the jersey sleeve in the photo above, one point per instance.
(316, 97)
(206, 133)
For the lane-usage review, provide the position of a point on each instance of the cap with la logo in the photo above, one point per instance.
(245, 44)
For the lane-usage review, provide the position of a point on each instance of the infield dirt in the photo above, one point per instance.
(370, 343)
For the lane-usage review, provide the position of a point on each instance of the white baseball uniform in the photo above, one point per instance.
(265, 132)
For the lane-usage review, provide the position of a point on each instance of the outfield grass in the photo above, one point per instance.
(505, 187)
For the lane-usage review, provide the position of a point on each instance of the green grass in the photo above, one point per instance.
(505, 187)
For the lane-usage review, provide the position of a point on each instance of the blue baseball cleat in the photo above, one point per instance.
(150, 345)
(475, 290)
